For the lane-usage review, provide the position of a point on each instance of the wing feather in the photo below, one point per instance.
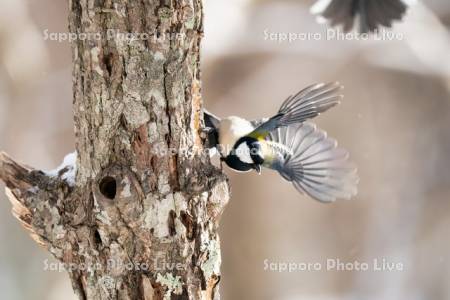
(306, 104)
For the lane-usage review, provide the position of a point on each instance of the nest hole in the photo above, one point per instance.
(108, 187)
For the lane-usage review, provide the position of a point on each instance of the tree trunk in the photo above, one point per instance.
(140, 218)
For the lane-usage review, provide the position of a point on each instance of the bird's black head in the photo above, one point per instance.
(236, 164)
(245, 155)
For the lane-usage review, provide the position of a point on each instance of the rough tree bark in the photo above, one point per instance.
(140, 218)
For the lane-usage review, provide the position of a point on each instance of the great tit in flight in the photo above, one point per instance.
(298, 150)
(372, 14)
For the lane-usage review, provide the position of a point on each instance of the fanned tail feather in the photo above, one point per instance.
(372, 13)
(314, 164)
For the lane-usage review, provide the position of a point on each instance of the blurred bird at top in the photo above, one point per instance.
(299, 151)
(372, 14)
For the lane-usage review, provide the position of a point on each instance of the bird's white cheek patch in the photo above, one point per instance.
(243, 153)
(230, 130)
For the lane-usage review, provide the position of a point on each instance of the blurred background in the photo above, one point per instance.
(394, 120)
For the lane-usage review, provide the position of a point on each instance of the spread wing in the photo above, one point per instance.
(313, 163)
(372, 13)
(306, 104)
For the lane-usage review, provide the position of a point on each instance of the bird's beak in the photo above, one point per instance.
(257, 168)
